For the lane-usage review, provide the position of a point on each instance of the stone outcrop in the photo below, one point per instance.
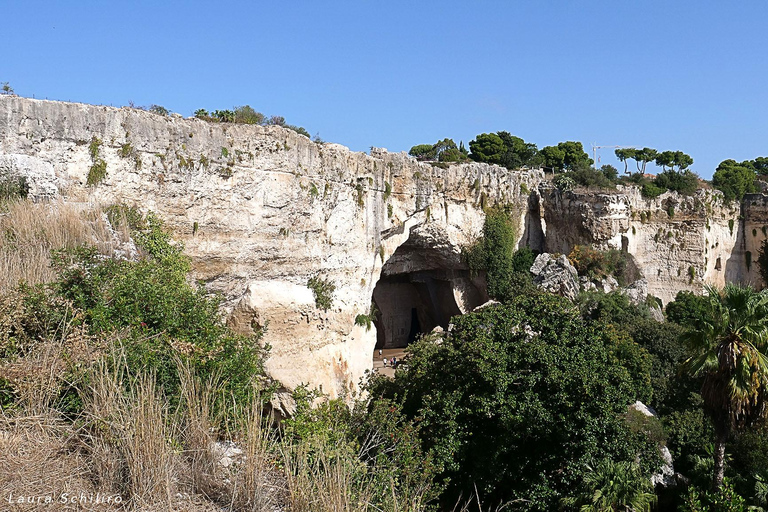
(555, 275)
(677, 242)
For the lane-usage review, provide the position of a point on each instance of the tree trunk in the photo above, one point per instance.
(721, 435)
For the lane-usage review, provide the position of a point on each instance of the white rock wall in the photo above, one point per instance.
(262, 209)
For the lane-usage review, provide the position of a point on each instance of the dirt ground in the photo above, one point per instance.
(388, 354)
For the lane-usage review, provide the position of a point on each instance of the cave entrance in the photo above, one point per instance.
(421, 288)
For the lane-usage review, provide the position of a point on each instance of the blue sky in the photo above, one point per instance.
(679, 75)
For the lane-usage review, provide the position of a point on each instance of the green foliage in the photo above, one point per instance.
(96, 173)
(535, 396)
(640, 156)
(762, 261)
(423, 152)
(7, 89)
(723, 499)
(376, 447)
(125, 150)
(673, 159)
(566, 156)
(13, 187)
(685, 182)
(98, 170)
(444, 150)
(367, 319)
(503, 148)
(493, 253)
(94, 147)
(487, 147)
(323, 290)
(613, 486)
(589, 177)
(687, 308)
(159, 110)
(523, 259)
(735, 179)
(247, 115)
(118, 213)
(650, 190)
(149, 312)
(730, 225)
(564, 182)
(729, 352)
(598, 265)
(387, 191)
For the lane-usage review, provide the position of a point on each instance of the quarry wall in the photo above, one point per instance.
(262, 209)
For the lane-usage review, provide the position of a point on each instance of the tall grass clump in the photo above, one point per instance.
(29, 231)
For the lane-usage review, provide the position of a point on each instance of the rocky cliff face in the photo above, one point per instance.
(678, 242)
(261, 210)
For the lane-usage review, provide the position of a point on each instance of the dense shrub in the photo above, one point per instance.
(687, 308)
(149, 306)
(535, 396)
(13, 187)
(598, 265)
(685, 182)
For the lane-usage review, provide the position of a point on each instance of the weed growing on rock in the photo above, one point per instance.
(323, 290)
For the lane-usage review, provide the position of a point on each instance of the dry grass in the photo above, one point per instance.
(29, 231)
(129, 444)
(36, 462)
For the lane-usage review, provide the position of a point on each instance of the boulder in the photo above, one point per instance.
(637, 292)
(666, 475)
(555, 275)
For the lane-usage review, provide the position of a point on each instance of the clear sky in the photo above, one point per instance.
(673, 74)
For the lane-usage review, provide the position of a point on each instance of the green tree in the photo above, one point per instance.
(574, 155)
(729, 349)
(517, 153)
(625, 154)
(487, 147)
(673, 159)
(684, 182)
(247, 115)
(423, 152)
(642, 157)
(687, 308)
(521, 398)
(6, 89)
(735, 179)
(553, 157)
(445, 145)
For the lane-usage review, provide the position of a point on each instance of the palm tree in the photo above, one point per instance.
(611, 487)
(729, 350)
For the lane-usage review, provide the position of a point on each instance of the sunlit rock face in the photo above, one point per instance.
(261, 210)
(677, 242)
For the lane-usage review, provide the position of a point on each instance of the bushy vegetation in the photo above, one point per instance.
(535, 396)
(735, 179)
(598, 265)
(13, 187)
(442, 151)
(246, 115)
(506, 270)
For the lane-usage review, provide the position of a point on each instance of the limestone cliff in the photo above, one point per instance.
(678, 242)
(263, 209)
